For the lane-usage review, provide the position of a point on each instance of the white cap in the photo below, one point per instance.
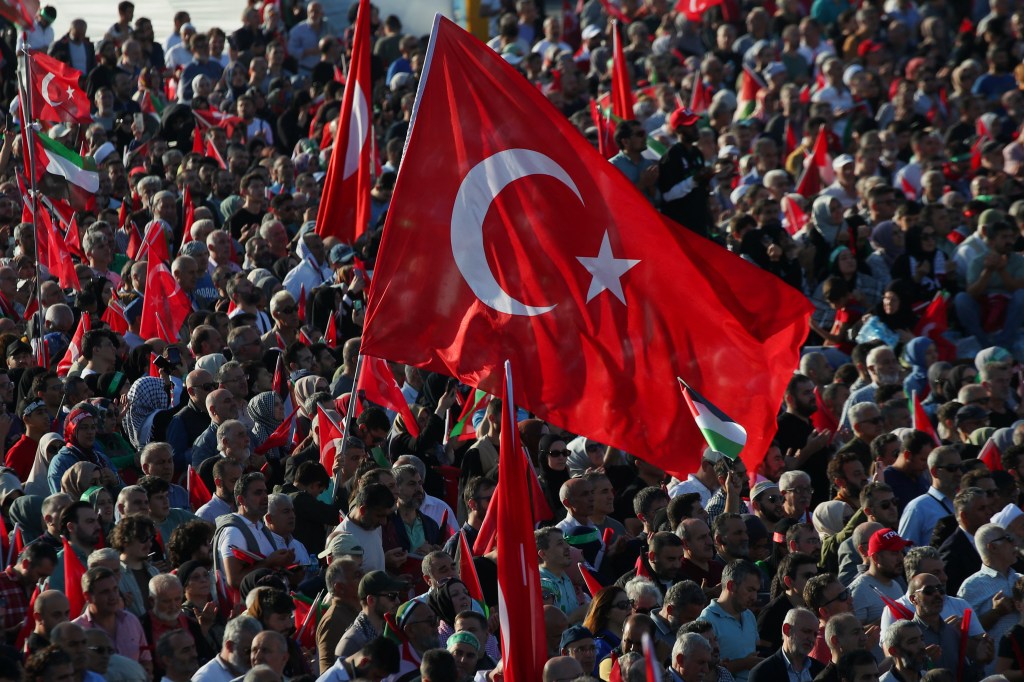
(104, 150)
(841, 161)
(1007, 515)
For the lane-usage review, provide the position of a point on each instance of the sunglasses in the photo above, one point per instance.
(557, 453)
(209, 386)
(931, 590)
(887, 504)
(773, 498)
(842, 596)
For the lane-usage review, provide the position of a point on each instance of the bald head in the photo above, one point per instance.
(51, 608)
(863, 533)
(220, 403)
(577, 495)
(562, 668)
(64, 633)
(198, 377)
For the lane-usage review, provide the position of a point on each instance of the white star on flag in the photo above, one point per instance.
(606, 271)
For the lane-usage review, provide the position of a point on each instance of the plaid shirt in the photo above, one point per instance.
(716, 505)
(15, 601)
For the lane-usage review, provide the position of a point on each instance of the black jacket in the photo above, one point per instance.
(773, 669)
(962, 559)
(61, 50)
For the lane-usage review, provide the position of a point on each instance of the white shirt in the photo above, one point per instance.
(232, 537)
(336, 673)
(952, 606)
(301, 555)
(214, 671)
(369, 540)
(214, 508)
(692, 485)
(435, 509)
(919, 518)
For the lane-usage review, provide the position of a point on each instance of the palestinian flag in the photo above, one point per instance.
(61, 173)
(463, 429)
(746, 100)
(722, 433)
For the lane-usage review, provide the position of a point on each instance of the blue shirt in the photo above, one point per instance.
(737, 638)
(978, 591)
(921, 516)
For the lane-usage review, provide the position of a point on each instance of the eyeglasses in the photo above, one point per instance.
(951, 468)
(584, 649)
(885, 504)
(842, 596)
(393, 596)
(622, 604)
(104, 650)
(209, 386)
(931, 590)
(800, 491)
(557, 453)
(287, 311)
(873, 420)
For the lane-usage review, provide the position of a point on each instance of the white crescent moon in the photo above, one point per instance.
(482, 184)
(357, 133)
(45, 87)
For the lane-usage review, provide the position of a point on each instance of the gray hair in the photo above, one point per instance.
(277, 500)
(336, 570)
(239, 626)
(104, 554)
(404, 472)
(128, 490)
(280, 299)
(633, 666)
(838, 625)
(149, 184)
(874, 353)
(684, 593)
(223, 429)
(164, 645)
(770, 177)
(966, 497)
(408, 461)
(92, 239)
(791, 478)
(860, 410)
(261, 673)
(738, 571)
(640, 586)
(934, 455)
(892, 635)
(57, 311)
(154, 446)
(913, 558)
(793, 614)
(161, 581)
(228, 366)
(987, 534)
(687, 643)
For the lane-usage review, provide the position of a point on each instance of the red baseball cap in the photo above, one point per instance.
(886, 540)
(682, 117)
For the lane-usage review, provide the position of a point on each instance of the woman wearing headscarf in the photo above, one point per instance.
(923, 264)
(554, 471)
(146, 397)
(831, 517)
(768, 249)
(27, 514)
(302, 391)
(79, 478)
(80, 446)
(895, 309)
(450, 599)
(889, 244)
(865, 291)
(827, 225)
(49, 445)
(918, 355)
(267, 413)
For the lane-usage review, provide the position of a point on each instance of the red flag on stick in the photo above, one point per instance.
(74, 350)
(519, 595)
(818, 171)
(330, 438)
(584, 314)
(377, 384)
(188, 210)
(622, 91)
(898, 610)
(921, 421)
(331, 335)
(56, 95)
(114, 317)
(280, 436)
(467, 570)
(165, 305)
(593, 586)
(991, 456)
(198, 493)
(73, 572)
(345, 206)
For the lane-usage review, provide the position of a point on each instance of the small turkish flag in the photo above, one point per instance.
(377, 384)
(330, 439)
(56, 95)
(818, 171)
(548, 256)
(74, 350)
(165, 305)
(345, 205)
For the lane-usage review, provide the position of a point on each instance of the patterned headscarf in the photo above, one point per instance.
(261, 410)
(146, 396)
(71, 424)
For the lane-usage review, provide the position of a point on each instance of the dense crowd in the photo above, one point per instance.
(866, 154)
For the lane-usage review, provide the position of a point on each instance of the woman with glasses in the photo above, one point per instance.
(606, 617)
(554, 470)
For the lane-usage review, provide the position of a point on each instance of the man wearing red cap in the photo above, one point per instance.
(884, 575)
(684, 176)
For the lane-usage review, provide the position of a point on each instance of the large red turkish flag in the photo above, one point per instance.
(509, 237)
(622, 88)
(345, 207)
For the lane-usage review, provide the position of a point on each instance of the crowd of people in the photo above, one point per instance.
(877, 538)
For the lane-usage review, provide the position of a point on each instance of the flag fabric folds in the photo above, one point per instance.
(198, 493)
(74, 350)
(377, 384)
(62, 173)
(345, 207)
(720, 431)
(549, 257)
(56, 95)
(622, 91)
(73, 572)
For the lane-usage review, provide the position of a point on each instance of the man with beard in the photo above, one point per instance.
(885, 570)
(883, 369)
(732, 619)
(684, 176)
(928, 595)
(999, 271)
(799, 630)
(794, 570)
(166, 616)
(699, 563)
(732, 542)
(766, 501)
(904, 644)
(923, 513)
(733, 488)
(906, 476)
(805, 448)
(409, 528)
(846, 474)
(233, 659)
(81, 526)
(716, 671)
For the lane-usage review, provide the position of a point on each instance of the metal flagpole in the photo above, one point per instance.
(26, 109)
(346, 425)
